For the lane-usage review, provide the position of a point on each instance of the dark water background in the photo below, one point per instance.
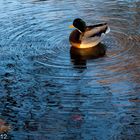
(46, 95)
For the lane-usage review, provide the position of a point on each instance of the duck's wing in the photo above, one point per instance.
(96, 25)
(95, 30)
(93, 35)
(90, 42)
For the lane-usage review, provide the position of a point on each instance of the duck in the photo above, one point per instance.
(84, 36)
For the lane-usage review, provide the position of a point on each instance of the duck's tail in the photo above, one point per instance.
(103, 33)
(107, 30)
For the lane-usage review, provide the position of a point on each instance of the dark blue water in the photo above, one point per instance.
(46, 94)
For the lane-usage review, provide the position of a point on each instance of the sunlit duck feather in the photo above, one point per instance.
(87, 36)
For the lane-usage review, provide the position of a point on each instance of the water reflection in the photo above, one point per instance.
(79, 57)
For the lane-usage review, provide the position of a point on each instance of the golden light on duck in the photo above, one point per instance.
(87, 36)
(88, 53)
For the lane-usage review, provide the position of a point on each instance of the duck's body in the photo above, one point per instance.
(88, 53)
(87, 36)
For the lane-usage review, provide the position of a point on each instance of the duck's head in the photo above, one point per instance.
(79, 24)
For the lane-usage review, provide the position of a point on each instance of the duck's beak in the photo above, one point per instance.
(71, 26)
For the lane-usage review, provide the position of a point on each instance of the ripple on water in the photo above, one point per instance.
(46, 93)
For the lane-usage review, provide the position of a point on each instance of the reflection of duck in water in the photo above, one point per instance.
(89, 53)
(87, 36)
(79, 57)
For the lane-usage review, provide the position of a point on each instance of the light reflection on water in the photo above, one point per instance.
(48, 94)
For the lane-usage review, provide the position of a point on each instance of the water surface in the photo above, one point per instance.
(46, 94)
